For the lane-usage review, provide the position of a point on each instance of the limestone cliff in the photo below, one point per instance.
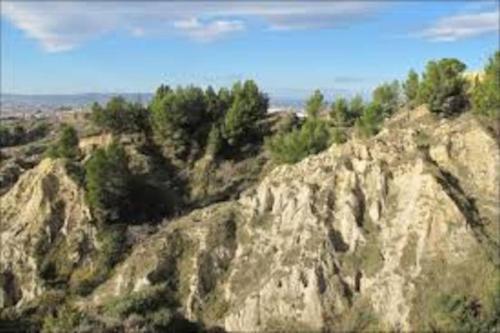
(43, 216)
(368, 235)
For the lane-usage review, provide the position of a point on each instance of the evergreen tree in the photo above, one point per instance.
(120, 116)
(249, 105)
(66, 145)
(443, 86)
(411, 87)
(179, 118)
(315, 104)
(369, 122)
(356, 108)
(340, 112)
(108, 183)
(387, 97)
(486, 93)
(312, 138)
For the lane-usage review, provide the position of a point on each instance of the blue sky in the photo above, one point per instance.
(289, 48)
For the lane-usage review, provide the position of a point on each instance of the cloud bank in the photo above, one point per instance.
(453, 28)
(61, 26)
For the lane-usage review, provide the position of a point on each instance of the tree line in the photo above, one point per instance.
(187, 122)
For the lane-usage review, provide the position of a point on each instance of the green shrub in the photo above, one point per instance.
(112, 241)
(486, 93)
(108, 183)
(340, 112)
(249, 105)
(315, 104)
(443, 86)
(370, 121)
(179, 119)
(66, 145)
(312, 138)
(356, 108)
(387, 96)
(67, 319)
(141, 302)
(410, 87)
(459, 313)
(215, 141)
(338, 135)
(120, 116)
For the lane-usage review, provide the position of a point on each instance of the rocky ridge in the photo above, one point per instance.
(366, 235)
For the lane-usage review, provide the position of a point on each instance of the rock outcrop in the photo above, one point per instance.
(45, 231)
(366, 235)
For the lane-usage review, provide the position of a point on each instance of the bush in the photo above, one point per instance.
(410, 87)
(66, 320)
(120, 116)
(387, 96)
(108, 183)
(443, 86)
(315, 104)
(340, 112)
(179, 119)
(486, 93)
(215, 141)
(312, 138)
(112, 241)
(459, 313)
(370, 121)
(249, 105)
(338, 135)
(356, 108)
(141, 302)
(66, 145)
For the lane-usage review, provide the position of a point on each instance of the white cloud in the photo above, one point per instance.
(61, 26)
(449, 29)
(208, 31)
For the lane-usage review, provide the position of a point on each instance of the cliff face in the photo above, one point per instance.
(45, 231)
(366, 235)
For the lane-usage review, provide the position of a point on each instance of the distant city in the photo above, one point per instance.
(19, 105)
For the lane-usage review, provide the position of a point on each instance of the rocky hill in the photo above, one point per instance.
(398, 232)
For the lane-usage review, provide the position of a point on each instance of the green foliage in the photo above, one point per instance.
(387, 96)
(410, 87)
(66, 320)
(459, 313)
(443, 86)
(370, 121)
(120, 116)
(141, 302)
(312, 138)
(215, 141)
(179, 118)
(111, 241)
(356, 107)
(338, 135)
(340, 112)
(19, 134)
(486, 93)
(12, 137)
(108, 183)
(315, 104)
(217, 104)
(249, 105)
(66, 145)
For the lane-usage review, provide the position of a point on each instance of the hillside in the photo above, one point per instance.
(376, 234)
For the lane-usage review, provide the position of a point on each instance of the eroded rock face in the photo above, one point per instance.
(43, 216)
(373, 229)
(365, 227)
